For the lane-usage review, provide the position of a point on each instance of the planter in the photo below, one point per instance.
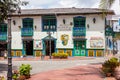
(117, 73)
(108, 74)
(22, 77)
(27, 76)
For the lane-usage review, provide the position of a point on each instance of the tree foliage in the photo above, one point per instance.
(9, 6)
(106, 4)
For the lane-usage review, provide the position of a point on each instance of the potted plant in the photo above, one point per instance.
(109, 66)
(15, 74)
(25, 70)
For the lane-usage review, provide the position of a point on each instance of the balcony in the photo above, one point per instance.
(27, 32)
(3, 36)
(79, 31)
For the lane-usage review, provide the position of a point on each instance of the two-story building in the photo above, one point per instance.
(76, 31)
(114, 22)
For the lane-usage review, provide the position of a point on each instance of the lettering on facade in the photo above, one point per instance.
(64, 39)
(37, 44)
(96, 42)
(64, 28)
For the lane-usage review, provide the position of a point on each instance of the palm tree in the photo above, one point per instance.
(105, 5)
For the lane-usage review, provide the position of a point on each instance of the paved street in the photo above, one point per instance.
(47, 65)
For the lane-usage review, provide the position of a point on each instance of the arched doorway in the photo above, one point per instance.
(49, 45)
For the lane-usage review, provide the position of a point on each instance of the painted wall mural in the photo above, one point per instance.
(64, 39)
(96, 42)
(37, 44)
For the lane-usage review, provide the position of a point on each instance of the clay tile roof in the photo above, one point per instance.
(62, 11)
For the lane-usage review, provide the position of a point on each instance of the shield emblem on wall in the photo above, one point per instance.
(64, 39)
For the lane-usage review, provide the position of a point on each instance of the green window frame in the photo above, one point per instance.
(79, 44)
(3, 27)
(27, 23)
(79, 21)
(49, 23)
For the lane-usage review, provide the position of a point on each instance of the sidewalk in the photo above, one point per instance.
(47, 58)
(89, 72)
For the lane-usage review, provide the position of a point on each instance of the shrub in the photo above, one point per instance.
(2, 78)
(60, 55)
(24, 69)
(110, 65)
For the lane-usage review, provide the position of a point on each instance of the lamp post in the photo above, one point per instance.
(49, 34)
(9, 74)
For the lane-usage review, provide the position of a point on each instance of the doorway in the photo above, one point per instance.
(28, 47)
(48, 48)
(80, 48)
(3, 48)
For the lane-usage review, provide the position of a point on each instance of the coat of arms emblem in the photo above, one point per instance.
(64, 39)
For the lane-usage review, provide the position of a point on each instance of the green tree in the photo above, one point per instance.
(9, 6)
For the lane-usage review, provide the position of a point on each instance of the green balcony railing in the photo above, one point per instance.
(79, 31)
(27, 31)
(3, 36)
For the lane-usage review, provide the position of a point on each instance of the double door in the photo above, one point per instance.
(79, 48)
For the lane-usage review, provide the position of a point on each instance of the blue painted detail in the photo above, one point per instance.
(94, 53)
(79, 17)
(73, 52)
(3, 31)
(119, 22)
(14, 53)
(3, 36)
(87, 53)
(79, 31)
(27, 31)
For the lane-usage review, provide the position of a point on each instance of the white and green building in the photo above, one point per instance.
(76, 31)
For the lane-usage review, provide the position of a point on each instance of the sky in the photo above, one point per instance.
(43, 4)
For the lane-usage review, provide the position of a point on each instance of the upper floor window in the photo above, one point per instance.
(3, 27)
(27, 23)
(79, 21)
(49, 23)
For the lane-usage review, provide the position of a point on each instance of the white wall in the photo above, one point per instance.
(90, 34)
(16, 40)
(59, 41)
(98, 27)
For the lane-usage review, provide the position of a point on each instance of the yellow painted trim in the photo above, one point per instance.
(69, 52)
(12, 53)
(38, 53)
(89, 52)
(18, 53)
(99, 51)
(60, 51)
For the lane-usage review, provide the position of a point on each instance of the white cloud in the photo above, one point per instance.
(68, 3)
(116, 7)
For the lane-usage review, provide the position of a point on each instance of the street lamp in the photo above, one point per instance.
(49, 34)
(9, 74)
